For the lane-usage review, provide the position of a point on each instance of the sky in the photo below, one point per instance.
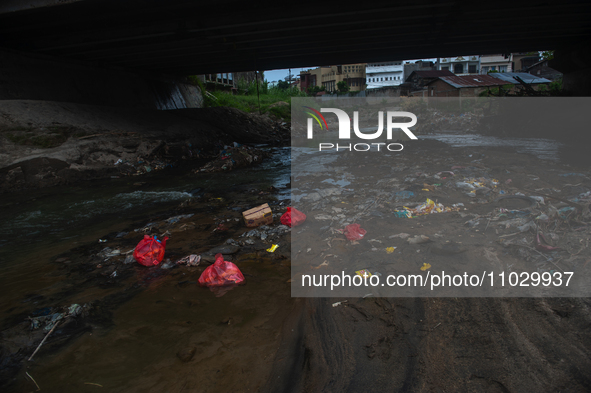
(277, 75)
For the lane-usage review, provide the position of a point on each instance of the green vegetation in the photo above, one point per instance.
(342, 87)
(548, 55)
(497, 91)
(268, 100)
(282, 85)
(553, 88)
(312, 90)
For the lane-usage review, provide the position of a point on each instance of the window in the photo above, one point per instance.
(472, 69)
(458, 68)
(444, 68)
(502, 68)
(484, 70)
(493, 68)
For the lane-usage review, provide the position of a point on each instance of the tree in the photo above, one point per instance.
(548, 55)
(342, 87)
(283, 85)
(313, 90)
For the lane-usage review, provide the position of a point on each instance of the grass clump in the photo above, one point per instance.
(266, 101)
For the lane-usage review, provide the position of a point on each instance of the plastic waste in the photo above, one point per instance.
(221, 273)
(464, 186)
(354, 232)
(400, 235)
(404, 194)
(565, 212)
(190, 260)
(293, 217)
(526, 227)
(150, 251)
(543, 247)
(418, 239)
(571, 174)
(543, 218)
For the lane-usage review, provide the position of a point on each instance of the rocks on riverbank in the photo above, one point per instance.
(45, 144)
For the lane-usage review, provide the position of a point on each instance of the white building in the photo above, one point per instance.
(387, 73)
(498, 62)
(460, 65)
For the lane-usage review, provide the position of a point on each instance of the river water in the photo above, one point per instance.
(39, 225)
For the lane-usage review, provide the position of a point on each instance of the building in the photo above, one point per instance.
(509, 77)
(460, 65)
(229, 81)
(496, 62)
(309, 78)
(419, 65)
(417, 80)
(384, 74)
(523, 60)
(460, 86)
(329, 77)
(542, 70)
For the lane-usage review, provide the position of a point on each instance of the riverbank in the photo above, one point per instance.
(45, 144)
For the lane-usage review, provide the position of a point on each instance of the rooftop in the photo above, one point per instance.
(472, 81)
(509, 77)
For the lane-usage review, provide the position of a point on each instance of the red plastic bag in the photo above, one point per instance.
(354, 232)
(220, 273)
(293, 217)
(150, 251)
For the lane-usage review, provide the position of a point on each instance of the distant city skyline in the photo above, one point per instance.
(281, 74)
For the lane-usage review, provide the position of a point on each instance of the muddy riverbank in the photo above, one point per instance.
(45, 144)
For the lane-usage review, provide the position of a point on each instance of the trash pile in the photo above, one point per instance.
(221, 273)
(264, 233)
(429, 207)
(150, 250)
(142, 166)
(48, 317)
(546, 231)
(293, 217)
(504, 207)
(233, 158)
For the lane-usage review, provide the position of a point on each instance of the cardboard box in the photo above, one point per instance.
(260, 215)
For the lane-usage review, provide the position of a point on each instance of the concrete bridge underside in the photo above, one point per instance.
(180, 37)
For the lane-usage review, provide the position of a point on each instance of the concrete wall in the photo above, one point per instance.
(28, 77)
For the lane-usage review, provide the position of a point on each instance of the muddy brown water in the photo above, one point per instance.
(50, 237)
(256, 337)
